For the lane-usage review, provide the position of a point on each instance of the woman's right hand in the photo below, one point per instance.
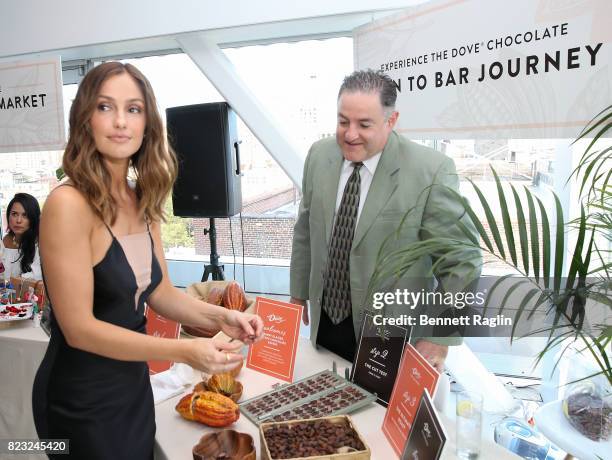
(213, 356)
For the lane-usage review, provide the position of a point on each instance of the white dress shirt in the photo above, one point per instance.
(12, 264)
(366, 173)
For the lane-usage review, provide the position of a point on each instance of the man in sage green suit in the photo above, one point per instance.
(406, 176)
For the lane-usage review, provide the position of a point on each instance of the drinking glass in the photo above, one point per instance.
(469, 425)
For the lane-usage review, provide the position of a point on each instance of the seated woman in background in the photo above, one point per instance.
(19, 248)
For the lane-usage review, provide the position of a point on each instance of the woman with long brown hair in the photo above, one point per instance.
(102, 255)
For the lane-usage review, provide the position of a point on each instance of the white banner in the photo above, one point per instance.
(31, 106)
(494, 68)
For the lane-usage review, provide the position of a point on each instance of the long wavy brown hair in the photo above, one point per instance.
(154, 165)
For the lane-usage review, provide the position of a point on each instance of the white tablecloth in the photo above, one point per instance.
(22, 348)
(176, 437)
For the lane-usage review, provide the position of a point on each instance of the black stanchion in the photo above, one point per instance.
(214, 269)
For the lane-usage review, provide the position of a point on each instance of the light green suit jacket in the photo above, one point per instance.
(408, 176)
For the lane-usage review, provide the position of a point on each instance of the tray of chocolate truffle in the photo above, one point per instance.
(319, 395)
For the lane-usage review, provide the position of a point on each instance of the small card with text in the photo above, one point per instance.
(427, 437)
(275, 354)
(414, 376)
(378, 356)
(159, 326)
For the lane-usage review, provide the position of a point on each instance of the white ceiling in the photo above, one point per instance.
(86, 29)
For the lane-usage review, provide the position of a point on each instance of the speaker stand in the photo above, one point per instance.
(214, 269)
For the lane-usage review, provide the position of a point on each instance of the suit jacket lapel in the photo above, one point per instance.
(329, 184)
(382, 187)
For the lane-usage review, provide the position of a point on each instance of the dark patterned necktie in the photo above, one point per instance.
(337, 283)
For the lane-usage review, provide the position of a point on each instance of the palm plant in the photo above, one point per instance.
(543, 286)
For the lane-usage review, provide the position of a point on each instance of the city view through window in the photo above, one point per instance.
(297, 83)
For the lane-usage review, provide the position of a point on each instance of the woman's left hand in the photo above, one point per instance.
(245, 327)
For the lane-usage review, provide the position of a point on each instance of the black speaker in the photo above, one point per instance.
(204, 137)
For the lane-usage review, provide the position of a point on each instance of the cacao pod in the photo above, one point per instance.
(233, 297)
(209, 408)
(221, 383)
(215, 296)
(226, 385)
(200, 386)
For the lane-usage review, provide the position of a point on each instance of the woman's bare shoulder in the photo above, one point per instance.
(68, 203)
(66, 194)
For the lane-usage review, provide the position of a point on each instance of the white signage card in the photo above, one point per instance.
(31, 106)
(493, 68)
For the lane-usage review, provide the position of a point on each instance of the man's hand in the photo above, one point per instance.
(434, 354)
(303, 303)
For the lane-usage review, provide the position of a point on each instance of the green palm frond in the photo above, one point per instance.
(594, 163)
(542, 249)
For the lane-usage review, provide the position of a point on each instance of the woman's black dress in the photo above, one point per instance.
(102, 405)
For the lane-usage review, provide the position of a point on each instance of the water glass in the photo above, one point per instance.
(469, 424)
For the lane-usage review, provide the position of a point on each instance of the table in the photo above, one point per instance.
(22, 347)
(176, 436)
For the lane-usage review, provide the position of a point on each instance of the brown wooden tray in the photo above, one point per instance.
(336, 419)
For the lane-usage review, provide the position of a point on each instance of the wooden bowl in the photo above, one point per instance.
(226, 444)
(200, 291)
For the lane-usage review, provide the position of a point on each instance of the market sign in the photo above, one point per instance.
(31, 106)
(492, 68)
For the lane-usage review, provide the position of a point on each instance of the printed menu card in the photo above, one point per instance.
(275, 354)
(414, 376)
(378, 356)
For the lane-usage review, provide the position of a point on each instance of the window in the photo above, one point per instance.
(32, 172)
(538, 165)
(298, 84)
